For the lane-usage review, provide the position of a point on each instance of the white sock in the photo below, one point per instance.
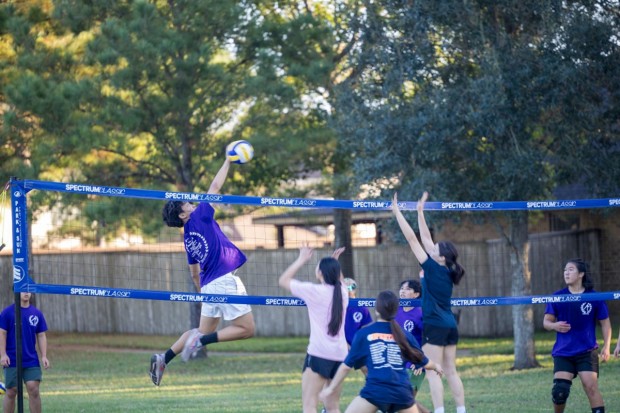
(439, 410)
(461, 409)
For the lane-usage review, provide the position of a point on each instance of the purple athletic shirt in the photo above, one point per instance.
(33, 323)
(411, 321)
(582, 316)
(206, 244)
(356, 318)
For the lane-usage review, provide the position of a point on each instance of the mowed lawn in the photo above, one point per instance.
(109, 373)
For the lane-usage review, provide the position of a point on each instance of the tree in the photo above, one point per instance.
(487, 100)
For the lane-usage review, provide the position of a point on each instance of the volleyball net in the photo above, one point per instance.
(110, 242)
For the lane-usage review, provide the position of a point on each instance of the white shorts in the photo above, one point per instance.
(228, 284)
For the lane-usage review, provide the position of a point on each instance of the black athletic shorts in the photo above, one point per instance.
(389, 407)
(323, 367)
(587, 361)
(440, 336)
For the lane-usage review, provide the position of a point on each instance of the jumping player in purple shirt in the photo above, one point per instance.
(213, 260)
(576, 351)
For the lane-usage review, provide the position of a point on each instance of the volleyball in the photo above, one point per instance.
(240, 151)
(2, 388)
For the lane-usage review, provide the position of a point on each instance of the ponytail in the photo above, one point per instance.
(330, 268)
(387, 306)
(449, 252)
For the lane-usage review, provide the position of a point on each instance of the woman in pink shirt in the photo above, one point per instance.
(327, 301)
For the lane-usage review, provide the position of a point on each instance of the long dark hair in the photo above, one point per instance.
(449, 252)
(330, 268)
(387, 306)
(582, 266)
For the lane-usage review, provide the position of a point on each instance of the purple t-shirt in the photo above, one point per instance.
(33, 323)
(207, 245)
(356, 318)
(582, 316)
(411, 321)
(318, 298)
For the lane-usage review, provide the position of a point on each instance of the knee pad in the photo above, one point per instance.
(560, 391)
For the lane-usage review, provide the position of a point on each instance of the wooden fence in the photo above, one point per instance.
(376, 269)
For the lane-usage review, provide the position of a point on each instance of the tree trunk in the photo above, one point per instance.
(522, 315)
(342, 222)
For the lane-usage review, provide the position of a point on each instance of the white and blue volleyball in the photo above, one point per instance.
(240, 151)
(2, 388)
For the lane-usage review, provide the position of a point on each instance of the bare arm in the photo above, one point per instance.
(305, 253)
(431, 365)
(606, 329)
(42, 343)
(220, 178)
(550, 323)
(4, 358)
(425, 234)
(617, 350)
(194, 270)
(417, 249)
(341, 374)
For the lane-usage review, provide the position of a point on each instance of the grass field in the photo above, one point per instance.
(95, 373)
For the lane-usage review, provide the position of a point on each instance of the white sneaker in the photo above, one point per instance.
(158, 365)
(192, 344)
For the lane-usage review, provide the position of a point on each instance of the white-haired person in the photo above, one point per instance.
(441, 273)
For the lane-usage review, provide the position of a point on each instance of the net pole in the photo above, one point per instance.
(20, 273)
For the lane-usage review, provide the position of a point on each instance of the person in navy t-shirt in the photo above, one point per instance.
(576, 351)
(33, 334)
(441, 273)
(386, 350)
(213, 260)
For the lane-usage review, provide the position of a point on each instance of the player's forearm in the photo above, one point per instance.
(606, 330)
(42, 341)
(425, 233)
(285, 279)
(220, 178)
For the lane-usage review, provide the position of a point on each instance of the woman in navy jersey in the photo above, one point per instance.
(386, 350)
(441, 273)
(576, 351)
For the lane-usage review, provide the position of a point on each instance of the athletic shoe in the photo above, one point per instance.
(192, 344)
(158, 365)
